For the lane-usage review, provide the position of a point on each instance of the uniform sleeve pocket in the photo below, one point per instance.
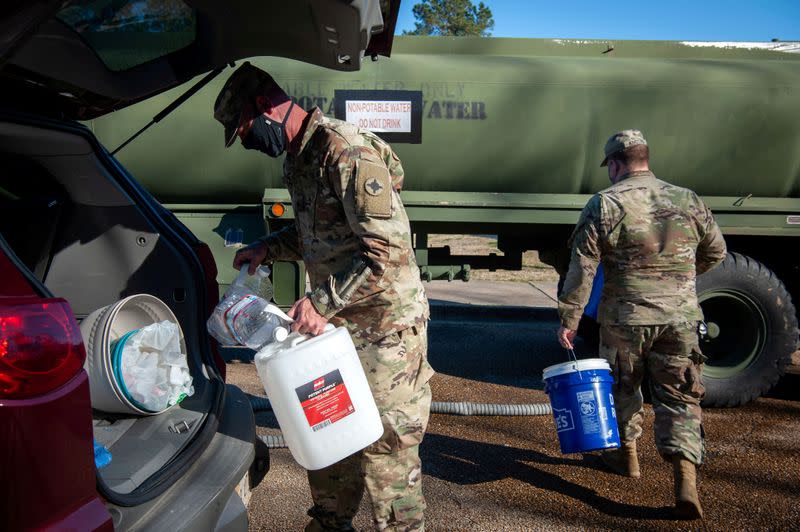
(373, 190)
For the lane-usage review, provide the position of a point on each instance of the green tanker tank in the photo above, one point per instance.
(507, 140)
(517, 116)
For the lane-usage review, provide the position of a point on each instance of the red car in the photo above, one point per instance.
(78, 233)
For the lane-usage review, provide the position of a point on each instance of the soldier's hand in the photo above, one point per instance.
(255, 254)
(565, 337)
(306, 318)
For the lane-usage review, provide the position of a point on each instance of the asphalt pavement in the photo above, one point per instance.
(507, 473)
(540, 294)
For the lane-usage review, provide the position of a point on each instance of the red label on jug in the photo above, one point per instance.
(325, 400)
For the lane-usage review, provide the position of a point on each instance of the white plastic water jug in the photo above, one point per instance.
(320, 396)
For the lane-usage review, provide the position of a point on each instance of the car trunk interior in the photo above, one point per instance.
(76, 228)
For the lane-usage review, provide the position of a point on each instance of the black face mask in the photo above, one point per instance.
(267, 136)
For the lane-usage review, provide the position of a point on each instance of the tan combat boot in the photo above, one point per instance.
(623, 461)
(687, 502)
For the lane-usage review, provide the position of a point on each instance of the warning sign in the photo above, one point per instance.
(382, 116)
(394, 115)
(325, 400)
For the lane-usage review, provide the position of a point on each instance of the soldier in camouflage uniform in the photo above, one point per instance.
(352, 232)
(653, 239)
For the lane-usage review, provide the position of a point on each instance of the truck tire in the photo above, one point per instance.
(752, 330)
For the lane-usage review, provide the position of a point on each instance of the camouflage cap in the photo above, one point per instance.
(242, 85)
(621, 140)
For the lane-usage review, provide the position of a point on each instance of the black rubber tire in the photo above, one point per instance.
(748, 279)
(752, 315)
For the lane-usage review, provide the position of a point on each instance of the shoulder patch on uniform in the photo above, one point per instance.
(373, 190)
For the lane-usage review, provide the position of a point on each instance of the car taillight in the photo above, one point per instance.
(41, 347)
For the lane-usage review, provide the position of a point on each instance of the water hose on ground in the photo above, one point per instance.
(487, 409)
(276, 441)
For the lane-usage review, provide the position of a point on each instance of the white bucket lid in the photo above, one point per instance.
(574, 366)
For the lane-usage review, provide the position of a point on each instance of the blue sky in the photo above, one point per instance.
(701, 20)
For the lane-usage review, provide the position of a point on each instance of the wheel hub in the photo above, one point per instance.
(712, 330)
(736, 332)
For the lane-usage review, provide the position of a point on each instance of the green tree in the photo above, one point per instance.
(452, 17)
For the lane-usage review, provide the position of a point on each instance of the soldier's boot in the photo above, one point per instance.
(687, 502)
(623, 461)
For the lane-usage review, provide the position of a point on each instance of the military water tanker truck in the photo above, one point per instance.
(505, 137)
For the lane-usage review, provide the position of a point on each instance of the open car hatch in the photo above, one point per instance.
(94, 57)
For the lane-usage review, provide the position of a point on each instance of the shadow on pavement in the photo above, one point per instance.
(241, 354)
(501, 345)
(468, 462)
(788, 388)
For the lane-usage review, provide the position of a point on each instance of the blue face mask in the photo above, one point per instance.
(267, 136)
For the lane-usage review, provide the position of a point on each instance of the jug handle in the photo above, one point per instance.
(299, 338)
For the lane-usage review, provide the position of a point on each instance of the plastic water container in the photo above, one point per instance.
(253, 322)
(258, 283)
(320, 396)
(583, 405)
(245, 316)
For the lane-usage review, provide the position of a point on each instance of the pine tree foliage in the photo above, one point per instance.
(452, 17)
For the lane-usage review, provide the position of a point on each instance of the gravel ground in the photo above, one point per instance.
(506, 473)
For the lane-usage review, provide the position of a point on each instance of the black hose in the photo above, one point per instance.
(259, 403)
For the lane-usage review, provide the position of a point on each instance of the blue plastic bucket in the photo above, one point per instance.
(583, 405)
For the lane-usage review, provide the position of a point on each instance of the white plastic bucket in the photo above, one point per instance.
(320, 396)
(103, 327)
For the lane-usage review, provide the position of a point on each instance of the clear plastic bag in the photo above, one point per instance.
(245, 316)
(152, 369)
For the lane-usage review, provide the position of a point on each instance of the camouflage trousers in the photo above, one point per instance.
(670, 356)
(398, 372)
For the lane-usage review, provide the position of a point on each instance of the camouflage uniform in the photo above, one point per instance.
(352, 232)
(653, 238)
